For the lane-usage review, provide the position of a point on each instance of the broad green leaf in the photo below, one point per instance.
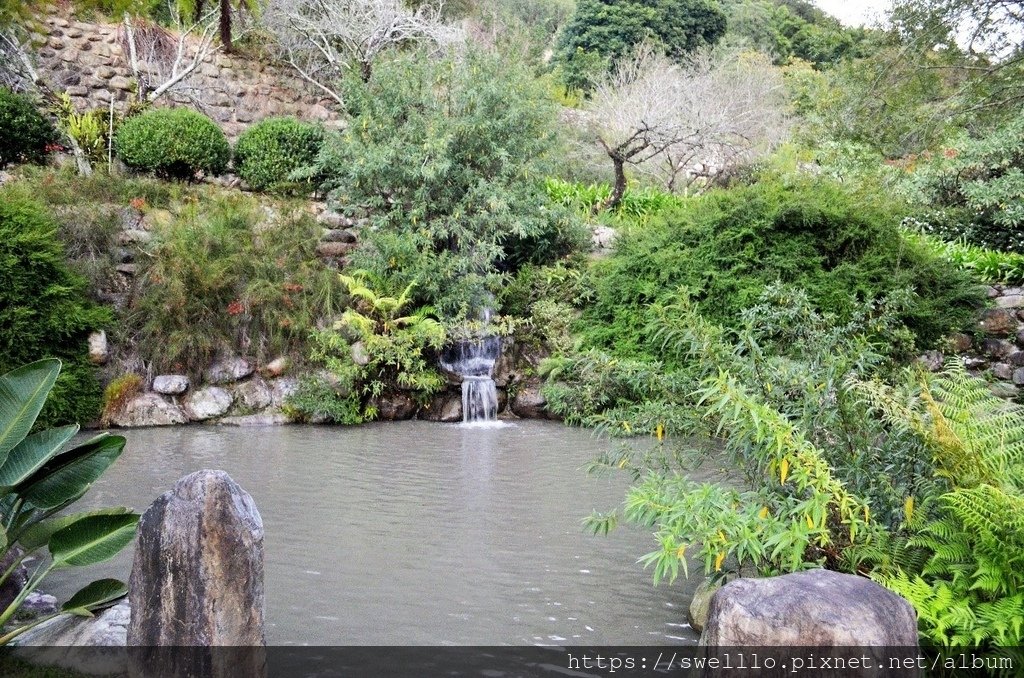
(98, 595)
(23, 393)
(67, 476)
(32, 452)
(93, 539)
(3, 540)
(39, 534)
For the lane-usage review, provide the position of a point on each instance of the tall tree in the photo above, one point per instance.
(613, 28)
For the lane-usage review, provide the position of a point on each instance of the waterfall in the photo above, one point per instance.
(473, 360)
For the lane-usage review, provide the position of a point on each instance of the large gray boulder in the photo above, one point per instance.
(253, 395)
(208, 403)
(171, 384)
(149, 409)
(814, 608)
(228, 370)
(197, 579)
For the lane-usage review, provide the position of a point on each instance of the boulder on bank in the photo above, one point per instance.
(445, 407)
(149, 409)
(208, 403)
(395, 406)
(171, 384)
(228, 370)
(529, 402)
(814, 608)
(197, 579)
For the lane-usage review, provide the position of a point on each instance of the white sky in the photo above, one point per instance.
(855, 12)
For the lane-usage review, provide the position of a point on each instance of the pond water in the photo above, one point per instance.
(420, 533)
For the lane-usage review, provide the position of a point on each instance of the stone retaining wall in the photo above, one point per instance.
(88, 61)
(996, 352)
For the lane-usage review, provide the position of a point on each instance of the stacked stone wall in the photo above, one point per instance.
(87, 60)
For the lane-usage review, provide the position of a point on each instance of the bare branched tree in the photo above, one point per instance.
(686, 123)
(162, 60)
(324, 39)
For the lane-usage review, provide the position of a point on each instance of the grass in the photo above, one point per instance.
(989, 266)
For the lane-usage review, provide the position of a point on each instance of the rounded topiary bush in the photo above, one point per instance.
(24, 131)
(173, 142)
(270, 150)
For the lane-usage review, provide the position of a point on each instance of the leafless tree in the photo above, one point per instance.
(162, 60)
(324, 39)
(686, 123)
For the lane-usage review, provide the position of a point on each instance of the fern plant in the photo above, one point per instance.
(378, 346)
(967, 584)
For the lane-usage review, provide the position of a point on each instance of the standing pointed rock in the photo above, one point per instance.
(197, 581)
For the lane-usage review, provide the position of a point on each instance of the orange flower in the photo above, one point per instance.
(235, 307)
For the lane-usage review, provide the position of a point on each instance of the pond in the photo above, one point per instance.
(420, 533)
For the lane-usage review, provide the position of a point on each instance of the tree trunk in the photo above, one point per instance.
(620, 184)
(225, 24)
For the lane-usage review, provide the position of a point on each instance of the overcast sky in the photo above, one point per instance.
(855, 12)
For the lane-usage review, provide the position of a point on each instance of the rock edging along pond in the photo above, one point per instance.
(233, 392)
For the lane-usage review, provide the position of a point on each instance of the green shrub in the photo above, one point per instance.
(724, 248)
(44, 311)
(24, 131)
(269, 151)
(448, 157)
(173, 142)
(978, 189)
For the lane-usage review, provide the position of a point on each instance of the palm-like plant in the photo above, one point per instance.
(39, 478)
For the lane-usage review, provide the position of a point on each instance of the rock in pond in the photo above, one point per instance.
(149, 409)
(395, 406)
(255, 420)
(446, 407)
(813, 608)
(208, 403)
(197, 580)
(171, 384)
(700, 605)
(529, 403)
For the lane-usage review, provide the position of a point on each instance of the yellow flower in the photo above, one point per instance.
(763, 513)
(718, 561)
(681, 552)
(660, 432)
(783, 471)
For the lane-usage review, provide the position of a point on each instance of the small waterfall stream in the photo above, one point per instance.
(473, 360)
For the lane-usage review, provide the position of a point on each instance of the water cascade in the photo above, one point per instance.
(473, 360)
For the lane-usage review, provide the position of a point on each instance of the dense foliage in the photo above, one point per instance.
(268, 152)
(723, 249)
(213, 283)
(448, 158)
(44, 309)
(613, 28)
(40, 477)
(378, 347)
(24, 131)
(976, 189)
(173, 142)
